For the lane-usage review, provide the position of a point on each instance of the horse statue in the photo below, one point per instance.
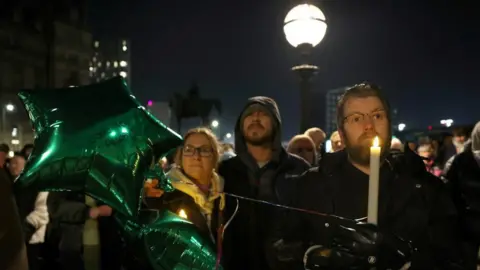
(193, 105)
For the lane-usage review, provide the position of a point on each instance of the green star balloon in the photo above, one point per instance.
(97, 139)
(168, 242)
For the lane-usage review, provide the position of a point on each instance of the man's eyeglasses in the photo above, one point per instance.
(203, 151)
(359, 118)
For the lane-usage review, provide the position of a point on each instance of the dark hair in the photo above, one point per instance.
(361, 90)
(459, 131)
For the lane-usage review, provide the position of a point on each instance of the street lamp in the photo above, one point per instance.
(215, 123)
(401, 126)
(305, 27)
(9, 107)
(228, 135)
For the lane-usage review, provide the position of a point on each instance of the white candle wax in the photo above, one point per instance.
(374, 182)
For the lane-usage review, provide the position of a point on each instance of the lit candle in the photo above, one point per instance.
(374, 182)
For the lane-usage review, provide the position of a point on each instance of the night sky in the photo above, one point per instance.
(424, 54)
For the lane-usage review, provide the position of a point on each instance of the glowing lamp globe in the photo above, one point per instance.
(305, 24)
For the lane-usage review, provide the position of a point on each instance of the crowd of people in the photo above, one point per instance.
(429, 200)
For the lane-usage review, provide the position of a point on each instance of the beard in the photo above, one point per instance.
(257, 140)
(359, 152)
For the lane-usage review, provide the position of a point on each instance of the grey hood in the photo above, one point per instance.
(240, 147)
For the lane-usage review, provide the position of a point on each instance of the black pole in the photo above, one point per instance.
(306, 73)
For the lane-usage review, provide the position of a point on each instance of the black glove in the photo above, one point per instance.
(360, 246)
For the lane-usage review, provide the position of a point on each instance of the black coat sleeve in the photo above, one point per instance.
(444, 231)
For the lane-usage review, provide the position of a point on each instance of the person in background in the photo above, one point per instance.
(197, 196)
(336, 141)
(396, 145)
(412, 146)
(4, 150)
(463, 176)
(261, 170)
(228, 151)
(303, 146)
(32, 207)
(427, 153)
(318, 136)
(13, 255)
(27, 150)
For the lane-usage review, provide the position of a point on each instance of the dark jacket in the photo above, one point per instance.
(245, 243)
(413, 204)
(463, 176)
(11, 238)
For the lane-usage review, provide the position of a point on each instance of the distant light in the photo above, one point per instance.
(124, 130)
(94, 59)
(115, 64)
(15, 142)
(124, 48)
(108, 64)
(123, 63)
(228, 135)
(447, 122)
(96, 44)
(123, 74)
(11, 154)
(71, 86)
(430, 127)
(401, 126)
(91, 68)
(328, 146)
(124, 42)
(150, 103)
(10, 107)
(14, 132)
(99, 64)
(215, 123)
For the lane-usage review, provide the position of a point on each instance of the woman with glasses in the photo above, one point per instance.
(198, 188)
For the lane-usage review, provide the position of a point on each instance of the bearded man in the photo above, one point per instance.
(417, 222)
(262, 170)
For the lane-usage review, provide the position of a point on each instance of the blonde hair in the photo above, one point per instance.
(211, 138)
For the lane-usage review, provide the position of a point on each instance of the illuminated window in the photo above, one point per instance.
(114, 74)
(124, 43)
(124, 48)
(96, 44)
(123, 63)
(91, 68)
(123, 74)
(94, 59)
(115, 64)
(102, 75)
(99, 64)
(108, 64)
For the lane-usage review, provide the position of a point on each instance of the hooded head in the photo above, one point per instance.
(259, 124)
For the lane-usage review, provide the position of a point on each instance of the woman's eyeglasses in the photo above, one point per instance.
(203, 151)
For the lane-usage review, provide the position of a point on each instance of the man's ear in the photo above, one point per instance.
(342, 135)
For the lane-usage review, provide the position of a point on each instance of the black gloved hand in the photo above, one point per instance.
(360, 246)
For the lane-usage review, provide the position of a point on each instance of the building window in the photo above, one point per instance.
(108, 64)
(123, 74)
(123, 63)
(99, 64)
(115, 64)
(114, 74)
(124, 43)
(124, 48)
(96, 44)
(102, 75)
(94, 59)
(91, 68)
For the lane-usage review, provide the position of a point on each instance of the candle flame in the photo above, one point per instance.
(376, 142)
(182, 214)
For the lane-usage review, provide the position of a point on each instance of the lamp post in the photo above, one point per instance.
(305, 27)
(215, 123)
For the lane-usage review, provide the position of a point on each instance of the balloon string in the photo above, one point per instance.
(283, 206)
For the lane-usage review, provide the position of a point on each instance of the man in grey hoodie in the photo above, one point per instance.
(262, 170)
